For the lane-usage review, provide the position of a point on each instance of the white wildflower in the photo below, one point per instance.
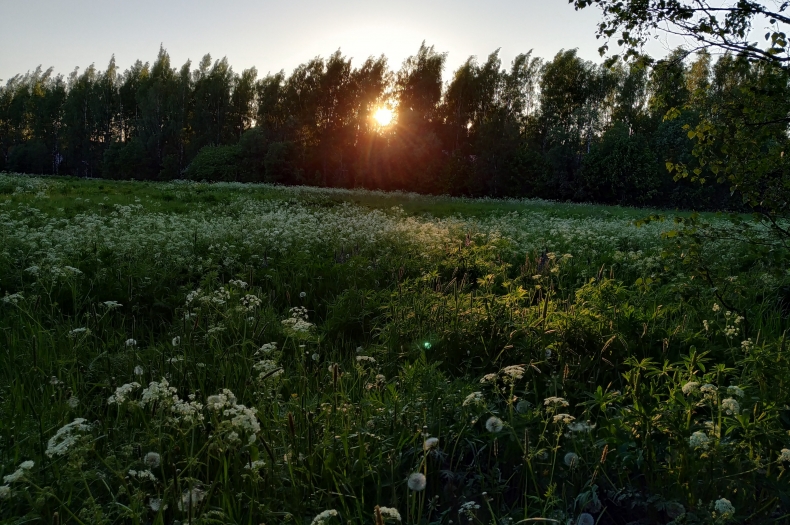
(176, 340)
(735, 391)
(131, 342)
(138, 370)
(555, 402)
(218, 402)
(468, 508)
(323, 517)
(475, 398)
(19, 473)
(690, 388)
(494, 425)
(417, 482)
(430, 443)
(585, 518)
(268, 348)
(571, 459)
(784, 455)
(708, 389)
(65, 437)
(724, 508)
(5, 492)
(389, 513)
(730, 406)
(73, 402)
(581, 426)
(514, 372)
(489, 378)
(158, 392)
(365, 358)
(699, 439)
(564, 419)
(523, 406)
(122, 393)
(152, 459)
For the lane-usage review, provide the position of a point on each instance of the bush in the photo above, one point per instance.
(215, 163)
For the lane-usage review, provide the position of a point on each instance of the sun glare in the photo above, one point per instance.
(383, 116)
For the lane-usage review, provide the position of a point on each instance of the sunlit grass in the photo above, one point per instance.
(248, 353)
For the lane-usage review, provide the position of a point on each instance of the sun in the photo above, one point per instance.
(383, 116)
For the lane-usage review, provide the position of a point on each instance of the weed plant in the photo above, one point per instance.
(245, 354)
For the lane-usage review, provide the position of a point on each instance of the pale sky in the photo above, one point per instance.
(275, 35)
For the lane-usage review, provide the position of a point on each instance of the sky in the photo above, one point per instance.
(279, 35)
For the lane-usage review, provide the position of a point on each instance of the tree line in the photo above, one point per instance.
(565, 128)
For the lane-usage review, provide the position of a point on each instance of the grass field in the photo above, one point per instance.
(246, 354)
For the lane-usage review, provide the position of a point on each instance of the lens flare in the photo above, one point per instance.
(383, 116)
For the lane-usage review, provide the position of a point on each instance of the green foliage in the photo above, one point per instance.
(622, 169)
(215, 163)
(236, 353)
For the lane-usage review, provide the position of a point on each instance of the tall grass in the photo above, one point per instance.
(252, 354)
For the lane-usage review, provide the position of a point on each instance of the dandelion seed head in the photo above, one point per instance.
(152, 459)
(430, 443)
(417, 482)
(494, 425)
(571, 459)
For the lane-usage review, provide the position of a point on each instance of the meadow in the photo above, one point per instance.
(226, 353)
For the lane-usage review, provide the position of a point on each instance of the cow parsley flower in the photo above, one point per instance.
(122, 393)
(555, 402)
(784, 455)
(5, 492)
(468, 508)
(19, 473)
(324, 516)
(513, 372)
(417, 481)
(724, 508)
(389, 513)
(708, 389)
(735, 391)
(690, 388)
(564, 419)
(66, 437)
(489, 378)
(730, 406)
(699, 439)
(475, 398)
